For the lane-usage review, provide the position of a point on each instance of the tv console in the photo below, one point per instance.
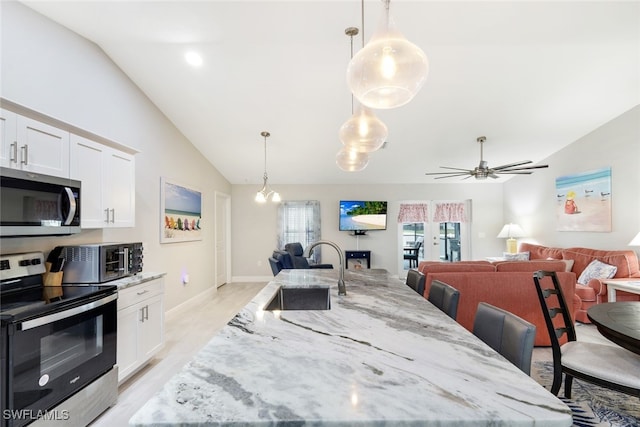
(357, 256)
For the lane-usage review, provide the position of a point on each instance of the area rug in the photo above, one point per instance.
(592, 405)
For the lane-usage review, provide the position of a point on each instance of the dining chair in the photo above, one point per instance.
(506, 333)
(415, 280)
(411, 254)
(609, 366)
(445, 297)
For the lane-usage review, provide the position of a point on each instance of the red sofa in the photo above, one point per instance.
(595, 291)
(508, 285)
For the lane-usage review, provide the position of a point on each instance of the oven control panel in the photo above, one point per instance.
(19, 265)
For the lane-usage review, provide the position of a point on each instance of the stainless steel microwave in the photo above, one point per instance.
(33, 204)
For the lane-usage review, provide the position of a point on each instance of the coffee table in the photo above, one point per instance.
(627, 285)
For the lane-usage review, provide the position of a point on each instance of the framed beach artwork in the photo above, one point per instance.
(181, 212)
(583, 201)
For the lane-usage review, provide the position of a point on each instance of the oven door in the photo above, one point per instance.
(55, 355)
(38, 205)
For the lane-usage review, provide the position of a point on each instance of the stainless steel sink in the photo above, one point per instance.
(308, 298)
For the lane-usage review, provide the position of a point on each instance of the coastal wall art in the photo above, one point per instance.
(181, 212)
(583, 201)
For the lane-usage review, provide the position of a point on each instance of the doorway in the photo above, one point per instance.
(441, 227)
(223, 244)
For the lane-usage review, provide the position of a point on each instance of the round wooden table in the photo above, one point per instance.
(619, 322)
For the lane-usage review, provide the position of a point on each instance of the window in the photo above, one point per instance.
(299, 221)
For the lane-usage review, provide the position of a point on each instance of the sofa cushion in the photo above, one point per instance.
(597, 270)
(554, 265)
(625, 261)
(456, 267)
(541, 252)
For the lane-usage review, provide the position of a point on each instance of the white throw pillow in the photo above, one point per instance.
(597, 270)
(520, 256)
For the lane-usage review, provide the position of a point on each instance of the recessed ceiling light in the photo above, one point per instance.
(193, 58)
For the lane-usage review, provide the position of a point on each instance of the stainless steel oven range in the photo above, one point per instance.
(53, 348)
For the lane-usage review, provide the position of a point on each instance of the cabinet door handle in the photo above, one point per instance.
(113, 215)
(146, 312)
(142, 315)
(106, 212)
(25, 154)
(13, 156)
(143, 292)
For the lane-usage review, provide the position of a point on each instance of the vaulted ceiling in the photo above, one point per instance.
(532, 77)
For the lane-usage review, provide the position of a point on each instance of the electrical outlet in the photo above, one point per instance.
(259, 263)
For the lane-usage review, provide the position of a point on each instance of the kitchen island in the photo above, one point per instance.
(381, 355)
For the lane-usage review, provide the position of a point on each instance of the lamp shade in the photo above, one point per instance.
(363, 132)
(510, 230)
(350, 160)
(635, 241)
(388, 71)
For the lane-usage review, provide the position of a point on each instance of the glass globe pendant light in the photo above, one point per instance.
(350, 160)
(390, 70)
(363, 132)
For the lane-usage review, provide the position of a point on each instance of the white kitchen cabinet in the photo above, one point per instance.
(33, 146)
(140, 326)
(108, 183)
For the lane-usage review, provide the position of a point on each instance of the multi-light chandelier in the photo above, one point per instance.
(386, 73)
(263, 195)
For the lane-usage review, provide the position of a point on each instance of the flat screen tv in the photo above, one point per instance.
(361, 216)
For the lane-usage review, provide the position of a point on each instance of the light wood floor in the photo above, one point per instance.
(185, 334)
(188, 332)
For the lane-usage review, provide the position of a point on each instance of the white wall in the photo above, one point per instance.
(52, 70)
(254, 226)
(530, 201)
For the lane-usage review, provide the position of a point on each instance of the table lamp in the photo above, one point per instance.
(510, 232)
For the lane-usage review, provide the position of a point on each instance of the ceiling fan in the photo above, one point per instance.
(482, 171)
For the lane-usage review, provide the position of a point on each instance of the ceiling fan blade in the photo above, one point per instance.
(465, 172)
(514, 172)
(452, 176)
(511, 165)
(524, 168)
(455, 169)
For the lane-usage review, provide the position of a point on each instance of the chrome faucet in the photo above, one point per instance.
(342, 290)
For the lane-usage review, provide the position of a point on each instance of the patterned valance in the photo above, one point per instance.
(450, 212)
(413, 212)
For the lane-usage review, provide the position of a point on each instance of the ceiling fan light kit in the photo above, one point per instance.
(390, 70)
(482, 171)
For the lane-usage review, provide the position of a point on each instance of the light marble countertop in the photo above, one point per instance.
(382, 355)
(136, 279)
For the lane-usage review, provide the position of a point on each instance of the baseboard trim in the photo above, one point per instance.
(188, 304)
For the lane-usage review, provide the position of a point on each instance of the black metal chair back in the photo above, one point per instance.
(601, 364)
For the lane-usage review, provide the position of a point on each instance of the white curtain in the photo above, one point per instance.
(299, 221)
